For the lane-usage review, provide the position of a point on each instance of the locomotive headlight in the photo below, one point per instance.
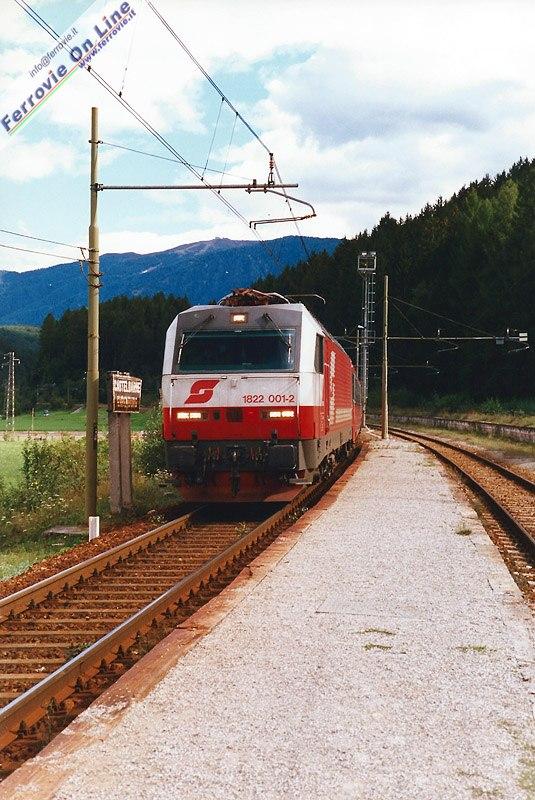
(189, 414)
(287, 413)
(278, 414)
(239, 319)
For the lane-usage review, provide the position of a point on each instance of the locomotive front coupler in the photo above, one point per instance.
(234, 456)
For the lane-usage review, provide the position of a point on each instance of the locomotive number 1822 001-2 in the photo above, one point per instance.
(270, 398)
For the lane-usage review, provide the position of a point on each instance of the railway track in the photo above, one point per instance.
(509, 503)
(68, 637)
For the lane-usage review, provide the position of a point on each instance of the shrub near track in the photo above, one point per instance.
(50, 492)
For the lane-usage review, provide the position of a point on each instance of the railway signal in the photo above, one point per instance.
(384, 380)
(366, 266)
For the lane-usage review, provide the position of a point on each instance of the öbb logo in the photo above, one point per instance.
(201, 391)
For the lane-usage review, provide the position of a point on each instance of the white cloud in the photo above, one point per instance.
(137, 241)
(27, 161)
(371, 107)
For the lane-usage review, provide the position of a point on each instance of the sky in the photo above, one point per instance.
(369, 106)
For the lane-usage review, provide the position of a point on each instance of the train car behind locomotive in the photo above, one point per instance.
(258, 399)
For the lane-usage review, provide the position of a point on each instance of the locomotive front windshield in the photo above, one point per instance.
(236, 351)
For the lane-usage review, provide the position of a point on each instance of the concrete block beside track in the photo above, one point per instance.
(370, 652)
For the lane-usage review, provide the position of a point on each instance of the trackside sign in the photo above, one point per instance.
(78, 48)
(124, 392)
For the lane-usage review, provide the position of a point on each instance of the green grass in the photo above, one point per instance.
(10, 461)
(18, 556)
(474, 415)
(71, 421)
(500, 448)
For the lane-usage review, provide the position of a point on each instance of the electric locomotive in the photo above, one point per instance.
(257, 398)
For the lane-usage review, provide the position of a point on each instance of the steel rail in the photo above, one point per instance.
(28, 708)
(507, 472)
(431, 443)
(501, 430)
(59, 582)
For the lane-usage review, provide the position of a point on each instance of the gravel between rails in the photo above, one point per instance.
(386, 657)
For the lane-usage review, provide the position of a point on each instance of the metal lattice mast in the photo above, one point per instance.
(9, 362)
(366, 268)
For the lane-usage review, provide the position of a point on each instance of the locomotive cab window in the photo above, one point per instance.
(318, 354)
(236, 351)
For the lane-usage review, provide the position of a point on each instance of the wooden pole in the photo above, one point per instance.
(125, 438)
(384, 382)
(120, 464)
(93, 279)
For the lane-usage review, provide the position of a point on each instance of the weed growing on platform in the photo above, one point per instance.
(378, 630)
(373, 646)
(473, 648)
(463, 530)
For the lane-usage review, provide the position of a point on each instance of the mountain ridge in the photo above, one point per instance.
(201, 271)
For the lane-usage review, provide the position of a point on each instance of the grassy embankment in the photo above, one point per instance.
(514, 411)
(10, 461)
(499, 418)
(522, 414)
(71, 421)
(17, 553)
(519, 453)
(49, 491)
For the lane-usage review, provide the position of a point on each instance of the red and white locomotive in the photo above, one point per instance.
(258, 399)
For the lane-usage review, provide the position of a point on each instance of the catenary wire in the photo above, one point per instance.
(405, 317)
(40, 239)
(228, 150)
(213, 136)
(147, 125)
(441, 316)
(128, 57)
(38, 252)
(224, 98)
(36, 17)
(199, 66)
(172, 160)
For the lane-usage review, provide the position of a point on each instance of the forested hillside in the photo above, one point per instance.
(132, 337)
(200, 270)
(470, 259)
(23, 340)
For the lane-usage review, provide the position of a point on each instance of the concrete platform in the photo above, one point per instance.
(377, 650)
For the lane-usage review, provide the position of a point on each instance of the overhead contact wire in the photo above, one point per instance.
(228, 151)
(223, 96)
(147, 125)
(38, 252)
(211, 81)
(40, 239)
(171, 160)
(213, 135)
(35, 16)
(441, 316)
